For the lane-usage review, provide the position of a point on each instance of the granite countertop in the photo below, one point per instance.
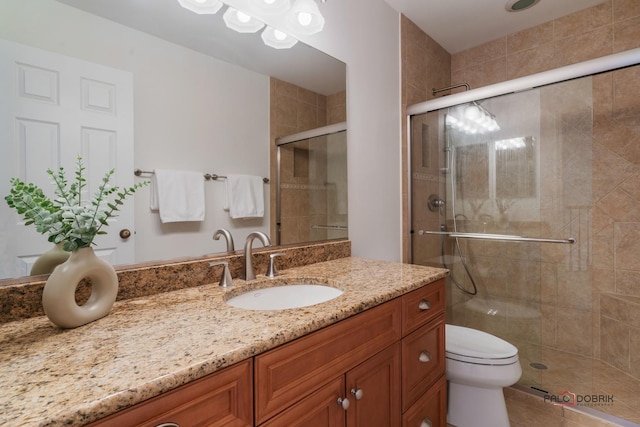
(150, 345)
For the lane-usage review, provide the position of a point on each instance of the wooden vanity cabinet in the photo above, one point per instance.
(351, 349)
(393, 355)
(372, 389)
(223, 398)
(388, 362)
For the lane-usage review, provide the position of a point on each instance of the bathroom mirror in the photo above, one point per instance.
(200, 98)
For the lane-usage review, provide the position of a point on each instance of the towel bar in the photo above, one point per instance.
(207, 176)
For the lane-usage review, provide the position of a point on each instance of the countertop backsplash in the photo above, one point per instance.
(24, 300)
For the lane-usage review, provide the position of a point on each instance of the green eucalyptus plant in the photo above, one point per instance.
(69, 218)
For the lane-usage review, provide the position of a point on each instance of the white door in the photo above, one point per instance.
(54, 108)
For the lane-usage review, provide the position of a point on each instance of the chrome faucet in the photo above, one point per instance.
(227, 237)
(249, 274)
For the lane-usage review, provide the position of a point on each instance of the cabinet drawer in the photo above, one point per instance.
(287, 374)
(423, 360)
(422, 305)
(430, 409)
(220, 399)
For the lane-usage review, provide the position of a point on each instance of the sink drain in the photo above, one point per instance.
(539, 366)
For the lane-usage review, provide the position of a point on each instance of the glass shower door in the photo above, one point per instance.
(530, 177)
(312, 189)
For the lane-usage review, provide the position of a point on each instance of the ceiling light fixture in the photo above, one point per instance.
(277, 39)
(240, 21)
(286, 20)
(520, 5)
(305, 17)
(202, 7)
(269, 7)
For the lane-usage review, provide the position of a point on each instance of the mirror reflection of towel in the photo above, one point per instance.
(177, 195)
(245, 196)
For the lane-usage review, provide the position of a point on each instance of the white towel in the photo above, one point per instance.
(245, 196)
(177, 195)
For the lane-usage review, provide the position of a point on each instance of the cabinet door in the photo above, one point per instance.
(288, 373)
(320, 409)
(220, 399)
(373, 389)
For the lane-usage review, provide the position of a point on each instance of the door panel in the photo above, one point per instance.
(56, 108)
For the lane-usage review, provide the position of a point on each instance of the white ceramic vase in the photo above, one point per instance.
(58, 297)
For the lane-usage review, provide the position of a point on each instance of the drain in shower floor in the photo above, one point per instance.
(539, 366)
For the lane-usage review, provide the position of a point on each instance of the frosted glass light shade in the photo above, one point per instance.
(268, 7)
(240, 21)
(277, 39)
(305, 18)
(202, 7)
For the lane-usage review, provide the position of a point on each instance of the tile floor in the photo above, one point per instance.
(618, 392)
(580, 375)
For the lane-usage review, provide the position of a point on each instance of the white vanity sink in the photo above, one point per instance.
(282, 297)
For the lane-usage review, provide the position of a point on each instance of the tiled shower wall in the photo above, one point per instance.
(425, 65)
(611, 27)
(614, 211)
(294, 109)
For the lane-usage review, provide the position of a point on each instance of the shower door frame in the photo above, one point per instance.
(594, 66)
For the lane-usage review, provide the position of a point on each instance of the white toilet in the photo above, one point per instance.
(479, 365)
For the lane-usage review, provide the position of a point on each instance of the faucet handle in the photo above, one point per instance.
(225, 279)
(271, 270)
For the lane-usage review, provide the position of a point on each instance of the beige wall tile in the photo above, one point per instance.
(622, 207)
(609, 171)
(634, 357)
(574, 332)
(624, 9)
(627, 246)
(574, 289)
(307, 96)
(603, 248)
(628, 282)
(614, 343)
(530, 38)
(458, 61)
(583, 21)
(593, 44)
(531, 61)
(625, 96)
(490, 50)
(486, 73)
(626, 34)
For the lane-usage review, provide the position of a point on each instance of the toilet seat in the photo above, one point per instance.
(478, 347)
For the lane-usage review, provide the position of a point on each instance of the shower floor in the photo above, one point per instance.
(595, 384)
